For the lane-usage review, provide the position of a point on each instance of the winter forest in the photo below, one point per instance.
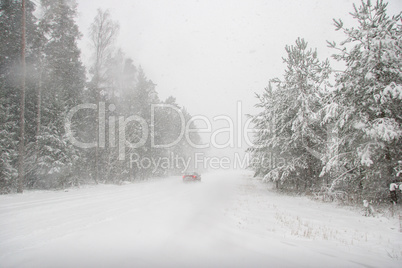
(334, 133)
(55, 82)
(337, 131)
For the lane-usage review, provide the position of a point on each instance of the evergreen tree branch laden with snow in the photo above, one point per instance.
(368, 94)
(289, 124)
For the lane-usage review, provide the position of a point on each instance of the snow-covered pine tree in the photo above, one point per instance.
(166, 129)
(8, 144)
(63, 84)
(262, 151)
(289, 130)
(10, 77)
(119, 80)
(137, 101)
(368, 97)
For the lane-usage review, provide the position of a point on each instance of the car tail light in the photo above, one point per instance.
(194, 176)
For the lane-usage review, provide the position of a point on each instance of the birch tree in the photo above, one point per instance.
(103, 32)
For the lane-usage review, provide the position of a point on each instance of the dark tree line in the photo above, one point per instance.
(56, 82)
(337, 133)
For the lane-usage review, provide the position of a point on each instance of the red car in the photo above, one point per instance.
(191, 177)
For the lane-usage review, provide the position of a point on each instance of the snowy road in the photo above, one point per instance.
(227, 220)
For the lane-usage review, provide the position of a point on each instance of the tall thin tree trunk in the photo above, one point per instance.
(21, 145)
(103, 31)
(96, 84)
(38, 110)
(97, 135)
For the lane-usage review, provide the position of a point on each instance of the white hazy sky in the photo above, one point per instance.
(211, 54)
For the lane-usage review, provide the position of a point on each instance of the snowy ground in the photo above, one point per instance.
(227, 220)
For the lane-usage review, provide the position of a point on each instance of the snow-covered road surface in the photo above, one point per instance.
(227, 220)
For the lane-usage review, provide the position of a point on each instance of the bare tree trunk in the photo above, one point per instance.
(103, 32)
(21, 145)
(97, 133)
(38, 109)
